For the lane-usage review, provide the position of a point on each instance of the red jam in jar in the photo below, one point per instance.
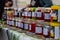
(47, 15)
(39, 29)
(32, 26)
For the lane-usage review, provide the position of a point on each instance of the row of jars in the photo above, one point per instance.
(33, 26)
(48, 15)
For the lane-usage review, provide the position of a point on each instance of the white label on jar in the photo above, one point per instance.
(16, 23)
(7, 22)
(29, 27)
(15, 13)
(23, 14)
(29, 14)
(38, 30)
(57, 34)
(25, 26)
(12, 23)
(39, 14)
(21, 25)
(47, 16)
(45, 31)
(26, 13)
(33, 14)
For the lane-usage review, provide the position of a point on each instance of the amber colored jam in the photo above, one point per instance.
(32, 27)
(46, 32)
(39, 29)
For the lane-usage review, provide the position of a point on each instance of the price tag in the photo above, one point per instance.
(47, 16)
(29, 27)
(45, 31)
(38, 30)
(21, 25)
(25, 26)
(33, 14)
(29, 14)
(39, 14)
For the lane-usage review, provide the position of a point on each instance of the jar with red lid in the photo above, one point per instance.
(32, 26)
(39, 15)
(47, 15)
(46, 31)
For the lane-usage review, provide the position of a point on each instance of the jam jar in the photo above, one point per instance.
(39, 29)
(47, 15)
(32, 26)
(46, 31)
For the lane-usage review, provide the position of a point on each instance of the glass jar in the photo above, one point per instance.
(32, 26)
(26, 25)
(12, 22)
(19, 21)
(47, 15)
(16, 22)
(46, 31)
(39, 29)
(29, 15)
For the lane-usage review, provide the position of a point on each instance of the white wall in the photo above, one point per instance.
(57, 2)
